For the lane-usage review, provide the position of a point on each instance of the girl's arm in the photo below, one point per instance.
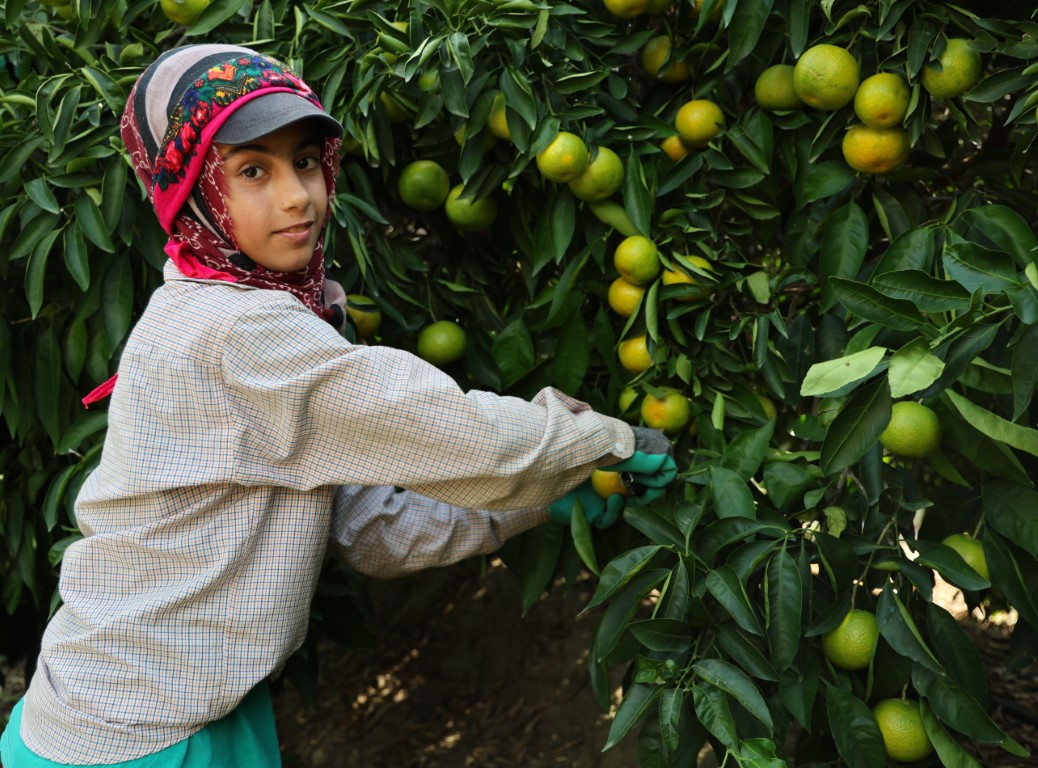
(316, 410)
(385, 532)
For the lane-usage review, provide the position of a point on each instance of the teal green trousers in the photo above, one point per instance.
(247, 736)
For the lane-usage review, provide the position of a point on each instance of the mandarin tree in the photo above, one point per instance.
(787, 276)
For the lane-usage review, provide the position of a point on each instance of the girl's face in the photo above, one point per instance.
(276, 196)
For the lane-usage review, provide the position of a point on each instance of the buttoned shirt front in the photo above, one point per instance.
(243, 433)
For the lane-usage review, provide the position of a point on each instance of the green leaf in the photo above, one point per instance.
(519, 96)
(533, 557)
(612, 629)
(787, 482)
(1007, 229)
(758, 753)
(899, 630)
(782, 606)
(55, 496)
(109, 90)
(745, 29)
(928, 293)
(736, 684)
(845, 240)
(582, 541)
(854, 729)
(572, 355)
(1003, 502)
(85, 425)
(214, 15)
(951, 566)
(995, 86)
(90, 221)
(743, 651)
(513, 351)
(856, 428)
(947, 748)
(635, 705)
(461, 53)
(748, 148)
(39, 192)
(639, 198)
(913, 368)
(833, 375)
(672, 705)
(826, 179)
(664, 635)
(958, 652)
(960, 352)
(954, 706)
(869, 304)
(724, 584)
(76, 255)
(620, 571)
(30, 235)
(1015, 574)
(993, 425)
(798, 690)
(744, 454)
(117, 301)
(47, 381)
(562, 217)
(977, 268)
(650, 522)
(113, 193)
(18, 156)
(727, 531)
(731, 494)
(36, 271)
(911, 251)
(713, 711)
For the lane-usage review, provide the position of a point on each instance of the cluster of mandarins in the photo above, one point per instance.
(827, 77)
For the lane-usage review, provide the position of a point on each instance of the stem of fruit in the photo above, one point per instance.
(868, 563)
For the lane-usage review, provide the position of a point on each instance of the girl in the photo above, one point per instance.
(244, 431)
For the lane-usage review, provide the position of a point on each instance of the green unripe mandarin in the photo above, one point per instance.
(423, 185)
(469, 214)
(774, 88)
(901, 726)
(441, 343)
(959, 71)
(971, 550)
(914, 430)
(853, 643)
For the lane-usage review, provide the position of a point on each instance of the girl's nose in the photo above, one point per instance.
(294, 194)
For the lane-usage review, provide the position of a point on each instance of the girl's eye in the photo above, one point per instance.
(251, 172)
(309, 163)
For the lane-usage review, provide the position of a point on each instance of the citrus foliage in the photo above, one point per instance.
(788, 280)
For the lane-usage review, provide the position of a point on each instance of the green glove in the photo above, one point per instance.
(599, 512)
(647, 475)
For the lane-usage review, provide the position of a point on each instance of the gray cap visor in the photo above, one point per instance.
(266, 114)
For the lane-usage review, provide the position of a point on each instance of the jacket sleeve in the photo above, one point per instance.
(314, 410)
(387, 532)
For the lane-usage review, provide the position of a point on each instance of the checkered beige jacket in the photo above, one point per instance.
(244, 432)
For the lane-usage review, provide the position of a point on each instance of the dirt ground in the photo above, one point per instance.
(457, 678)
